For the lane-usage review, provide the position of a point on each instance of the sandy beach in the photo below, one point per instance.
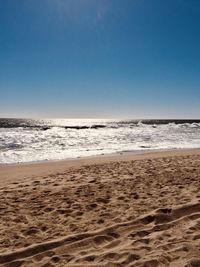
(116, 210)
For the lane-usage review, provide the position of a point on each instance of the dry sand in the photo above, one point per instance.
(126, 210)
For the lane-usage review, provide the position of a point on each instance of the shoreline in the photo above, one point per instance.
(100, 156)
(9, 172)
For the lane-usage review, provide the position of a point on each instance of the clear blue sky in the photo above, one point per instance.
(100, 58)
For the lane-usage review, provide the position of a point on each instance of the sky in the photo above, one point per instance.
(100, 58)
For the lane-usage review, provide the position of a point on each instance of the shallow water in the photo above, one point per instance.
(23, 140)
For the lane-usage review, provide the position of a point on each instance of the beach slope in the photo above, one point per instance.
(125, 210)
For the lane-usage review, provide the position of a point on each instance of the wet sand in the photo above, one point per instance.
(122, 210)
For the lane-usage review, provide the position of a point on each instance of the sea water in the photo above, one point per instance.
(28, 140)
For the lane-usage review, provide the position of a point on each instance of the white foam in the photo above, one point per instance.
(31, 144)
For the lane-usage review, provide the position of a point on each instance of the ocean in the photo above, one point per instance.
(30, 140)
